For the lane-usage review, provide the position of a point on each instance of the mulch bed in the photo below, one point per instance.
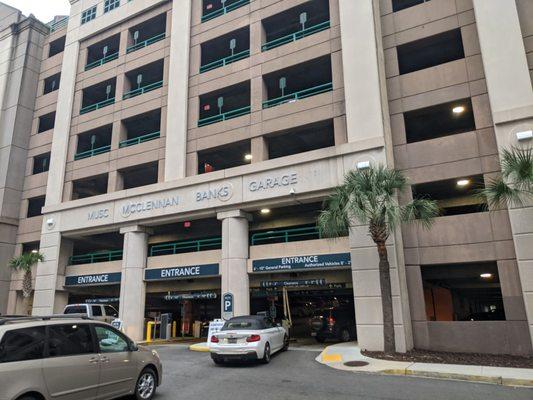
(436, 357)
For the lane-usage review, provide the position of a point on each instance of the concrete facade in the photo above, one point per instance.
(365, 109)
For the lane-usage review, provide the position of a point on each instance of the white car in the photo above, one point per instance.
(253, 337)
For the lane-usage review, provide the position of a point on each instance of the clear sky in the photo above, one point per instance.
(44, 10)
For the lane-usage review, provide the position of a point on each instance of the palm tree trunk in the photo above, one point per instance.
(26, 284)
(386, 298)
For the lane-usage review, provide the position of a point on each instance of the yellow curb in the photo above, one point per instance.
(200, 347)
(517, 382)
(460, 377)
(394, 372)
(331, 358)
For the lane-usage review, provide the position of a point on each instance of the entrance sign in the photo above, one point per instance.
(181, 272)
(214, 327)
(191, 296)
(293, 283)
(321, 261)
(103, 301)
(95, 279)
(227, 306)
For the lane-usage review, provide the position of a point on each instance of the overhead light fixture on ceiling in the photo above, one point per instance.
(463, 182)
(458, 110)
(486, 275)
(248, 157)
(265, 211)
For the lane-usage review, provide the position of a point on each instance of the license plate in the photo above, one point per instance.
(232, 341)
(313, 333)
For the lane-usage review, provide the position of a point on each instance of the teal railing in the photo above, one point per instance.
(97, 106)
(293, 37)
(139, 139)
(92, 258)
(224, 10)
(286, 235)
(92, 152)
(142, 90)
(302, 94)
(225, 116)
(55, 26)
(145, 43)
(225, 61)
(101, 61)
(188, 246)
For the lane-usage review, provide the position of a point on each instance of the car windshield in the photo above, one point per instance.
(243, 324)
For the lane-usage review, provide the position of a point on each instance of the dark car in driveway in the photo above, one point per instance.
(336, 323)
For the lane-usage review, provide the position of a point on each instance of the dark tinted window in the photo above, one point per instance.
(41, 163)
(97, 311)
(35, 206)
(110, 311)
(398, 5)
(57, 46)
(51, 83)
(75, 310)
(46, 122)
(69, 340)
(22, 344)
(244, 324)
(430, 51)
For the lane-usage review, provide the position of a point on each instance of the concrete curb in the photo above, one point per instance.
(335, 356)
(199, 347)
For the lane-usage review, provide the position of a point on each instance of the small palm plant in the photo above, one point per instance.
(368, 197)
(24, 263)
(516, 183)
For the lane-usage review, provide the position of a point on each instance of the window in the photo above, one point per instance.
(69, 340)
(35, 206)
(110, 340)
(140, 175)
(110, 311)
(440, 120)
(111, 5)
(57, 46)
(97, 311)
(398, 5)
(88, 15)
(22, 344)
(46, 122)
(430, 51)
(75, 310)
(463, 292)
(41, 163)
(51, 83)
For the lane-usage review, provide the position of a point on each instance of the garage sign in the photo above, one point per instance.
(293, 283)
(93, 280)
(188, 272)
(227, 306)
(321, 261)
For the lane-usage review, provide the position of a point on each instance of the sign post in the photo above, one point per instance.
(227, 306)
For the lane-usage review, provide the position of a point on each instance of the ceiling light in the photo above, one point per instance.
(34, 251)
(265, 211)
(486, 275)
(458, 110)
(463, 182)
(248, 157)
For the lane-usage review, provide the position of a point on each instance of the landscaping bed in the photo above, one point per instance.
(436, 357)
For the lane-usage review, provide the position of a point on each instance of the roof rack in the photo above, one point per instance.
(5, 319)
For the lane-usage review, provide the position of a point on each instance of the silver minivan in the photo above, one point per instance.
(73, 358)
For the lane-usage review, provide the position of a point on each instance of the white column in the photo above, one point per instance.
(511, 100)
(178, 92)
(235, 253)
(132, 285)
(362, 84)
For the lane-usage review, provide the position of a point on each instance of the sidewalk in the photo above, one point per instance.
(336, 355)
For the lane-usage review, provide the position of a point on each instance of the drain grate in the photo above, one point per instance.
(356, 363)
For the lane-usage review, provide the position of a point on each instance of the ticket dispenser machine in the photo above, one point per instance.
(166, 326)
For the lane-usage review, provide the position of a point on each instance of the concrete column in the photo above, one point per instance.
(361, 70)
(178, 92)
(132, 285)
(235, 252)
(49, 296)
(511, 101)
(259, 149)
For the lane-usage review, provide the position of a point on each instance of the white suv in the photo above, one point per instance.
(100, 312)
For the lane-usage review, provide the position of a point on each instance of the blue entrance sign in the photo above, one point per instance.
(181, 272)
(321, 261)
(91, 280)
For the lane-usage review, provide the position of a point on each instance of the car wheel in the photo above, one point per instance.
(266, 355)
(218, 361)
(27, 398)
(146, 385)
(285, 343)
(345, 335)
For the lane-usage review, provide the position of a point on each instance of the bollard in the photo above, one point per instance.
(174, 329)
(149, 327)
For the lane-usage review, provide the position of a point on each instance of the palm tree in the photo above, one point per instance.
(516, 183)
(368, 197)
(24, 263)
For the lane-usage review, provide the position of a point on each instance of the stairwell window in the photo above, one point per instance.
(88, 15)
(111, 5)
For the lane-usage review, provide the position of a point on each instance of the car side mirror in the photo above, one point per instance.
(133, 347)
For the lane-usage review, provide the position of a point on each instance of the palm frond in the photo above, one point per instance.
(333, 221)
(25, 261)
(499, 194)
(423, 211)
(517, 165)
